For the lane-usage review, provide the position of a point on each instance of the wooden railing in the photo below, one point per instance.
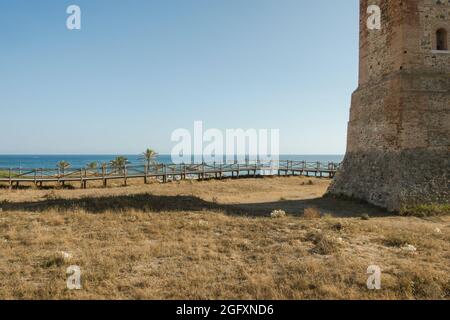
(167, 172)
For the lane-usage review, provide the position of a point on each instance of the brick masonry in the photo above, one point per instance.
(398, 144)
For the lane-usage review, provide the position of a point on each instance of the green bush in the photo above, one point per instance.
(427, 210)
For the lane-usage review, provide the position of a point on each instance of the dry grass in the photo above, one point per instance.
(311, 213)
(324, 243)
(215, 240)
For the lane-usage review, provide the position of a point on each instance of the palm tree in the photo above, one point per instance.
(92, 165)
(149, 156)
(62, 166)
(119, 163)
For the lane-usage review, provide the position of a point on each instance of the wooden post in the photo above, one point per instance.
(125, 175)
(42, 175)
(10, 179)
(145, 173)
(203, 170)
(165, 173)
(85, 179)
(63, 182)
(104, 175)
(35, 178)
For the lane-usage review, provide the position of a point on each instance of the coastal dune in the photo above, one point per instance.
(216, 239)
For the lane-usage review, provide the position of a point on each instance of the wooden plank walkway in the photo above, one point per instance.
(167, 172)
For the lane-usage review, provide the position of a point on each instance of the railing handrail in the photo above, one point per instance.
(164, 169)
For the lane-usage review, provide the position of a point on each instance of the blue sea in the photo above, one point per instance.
(79, 161)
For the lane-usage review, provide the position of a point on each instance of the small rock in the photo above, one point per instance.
(437, 230)
(365, 216)
(278, 214)
(409, 248)
(340, 239)
(66, 256)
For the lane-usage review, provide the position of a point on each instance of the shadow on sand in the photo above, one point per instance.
(154, 203)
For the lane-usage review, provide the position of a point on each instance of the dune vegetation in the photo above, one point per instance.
(271, 238)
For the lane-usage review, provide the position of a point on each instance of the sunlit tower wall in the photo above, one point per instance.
(398, 141)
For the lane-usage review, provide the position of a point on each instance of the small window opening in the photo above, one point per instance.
(441, 40)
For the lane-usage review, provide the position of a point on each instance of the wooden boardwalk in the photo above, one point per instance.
(166, 172)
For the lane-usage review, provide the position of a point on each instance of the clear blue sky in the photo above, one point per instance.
(139, 69)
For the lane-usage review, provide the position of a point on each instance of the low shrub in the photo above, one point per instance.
(426, 210)
(311, 213)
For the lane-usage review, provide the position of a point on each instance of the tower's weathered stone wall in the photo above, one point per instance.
(398, 147)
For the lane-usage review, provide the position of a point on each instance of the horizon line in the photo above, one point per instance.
(159, 154)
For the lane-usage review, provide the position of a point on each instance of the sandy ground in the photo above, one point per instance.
(215, 240)
(244, 196)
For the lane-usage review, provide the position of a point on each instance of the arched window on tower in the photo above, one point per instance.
(441, 40)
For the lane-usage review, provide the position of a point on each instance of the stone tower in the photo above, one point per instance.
(398, 144)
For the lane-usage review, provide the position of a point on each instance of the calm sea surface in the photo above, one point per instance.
(78, 161)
